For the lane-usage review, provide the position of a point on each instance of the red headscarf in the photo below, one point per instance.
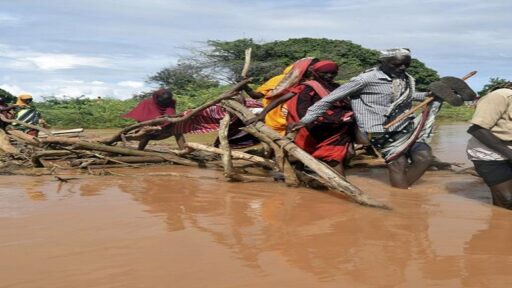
(325, 66)
(149, 108)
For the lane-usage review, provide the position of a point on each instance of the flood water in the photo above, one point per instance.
(165, 231)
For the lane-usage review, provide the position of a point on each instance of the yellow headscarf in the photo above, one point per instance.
(275, 118)
(22, 98)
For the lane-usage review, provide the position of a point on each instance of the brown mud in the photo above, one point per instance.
(166, 231)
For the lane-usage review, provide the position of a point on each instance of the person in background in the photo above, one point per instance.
(160, 104)
(27, 112)
(490, 147)
(6, 110)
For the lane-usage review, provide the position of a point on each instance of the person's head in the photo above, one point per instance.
(506, 85)
(324, 70)
(163, 98)
(394, 62)
(24, 100)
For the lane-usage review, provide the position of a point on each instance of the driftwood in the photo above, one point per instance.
(21, 123)
(227, 163)
(99, 154)
(235, 155)
(79, 144)
(332, 179)
(123, 159)
(5, 145)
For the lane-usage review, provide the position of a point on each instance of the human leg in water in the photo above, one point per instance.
(502, 194)
(336, 166)
(402, 174)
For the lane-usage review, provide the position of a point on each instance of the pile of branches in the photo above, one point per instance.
(54, 152)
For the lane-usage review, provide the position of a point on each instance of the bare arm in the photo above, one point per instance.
(354, 86)
(253, 94)
(8, 108)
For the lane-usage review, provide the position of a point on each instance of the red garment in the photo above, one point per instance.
(149, 110)
(325, 66)
(329, 137)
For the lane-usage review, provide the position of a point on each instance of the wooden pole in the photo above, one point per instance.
(336, 182)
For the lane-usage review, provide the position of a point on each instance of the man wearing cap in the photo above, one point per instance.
(379, 95)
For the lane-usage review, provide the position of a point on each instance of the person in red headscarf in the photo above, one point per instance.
(330, 137)
(160, 104)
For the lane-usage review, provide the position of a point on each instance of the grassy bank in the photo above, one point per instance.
(452, 113)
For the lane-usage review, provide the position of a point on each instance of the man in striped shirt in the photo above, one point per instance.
(378, 96)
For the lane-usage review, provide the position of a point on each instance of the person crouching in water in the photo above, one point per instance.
(330, 137)
(27, 112)
(490, 148)
(160, 104)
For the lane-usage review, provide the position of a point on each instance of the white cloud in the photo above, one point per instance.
(6, 19)
(75, 88)
(26, 59)
(131, 84)
(65, 61)
(13, 89)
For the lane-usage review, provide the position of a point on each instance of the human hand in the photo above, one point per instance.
(292, 127)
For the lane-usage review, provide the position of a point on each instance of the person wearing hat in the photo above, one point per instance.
(26, 112)
(378, 96)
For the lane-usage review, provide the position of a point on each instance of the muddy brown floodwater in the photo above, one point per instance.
(156, 231)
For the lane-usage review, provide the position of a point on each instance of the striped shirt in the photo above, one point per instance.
(372, 98)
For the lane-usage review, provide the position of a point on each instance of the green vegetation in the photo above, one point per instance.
(493, 83)
(452, 113)
(85, 113)
(205, 74)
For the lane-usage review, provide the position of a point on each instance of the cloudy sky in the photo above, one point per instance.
(110, 47)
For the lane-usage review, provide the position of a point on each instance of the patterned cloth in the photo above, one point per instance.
(376, 100)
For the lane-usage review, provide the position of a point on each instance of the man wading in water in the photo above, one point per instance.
(490, 148)
(379, 95)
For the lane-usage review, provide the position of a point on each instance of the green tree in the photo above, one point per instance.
(225, 59)
(6, 96)
(183, 76)
(493, 84)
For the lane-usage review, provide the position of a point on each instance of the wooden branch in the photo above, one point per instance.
(36, 157)
(235, 154)
(123, 159)
(227, 163)
(247, 62)
(231, 93)
(21, 123)
(79, 144)
(5, 144)
(336, 182)
(23, 137)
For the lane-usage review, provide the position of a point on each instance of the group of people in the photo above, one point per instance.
(24, 111)
(329, 118)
